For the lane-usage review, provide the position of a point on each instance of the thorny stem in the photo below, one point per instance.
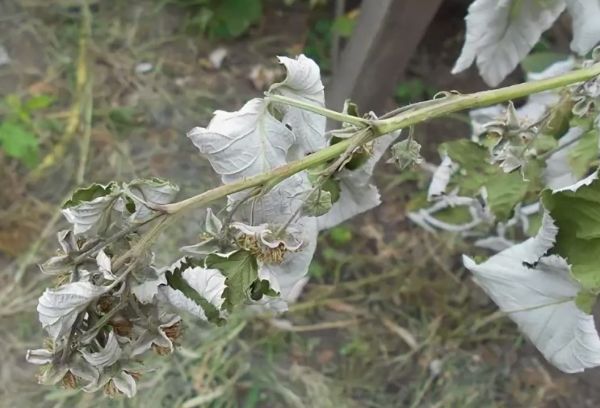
(376, 128)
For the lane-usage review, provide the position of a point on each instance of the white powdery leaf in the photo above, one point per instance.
(58, 308)
(4, 58)
(243, 143)
(555, 69)
(212, 224)
(148, 193)
(586, 24)
(538, 293)
(481, 117)
(279, 204)
(104, 265)
(275, 208)
(67, 241)
(39, 356)
(107, 356)
(303, 82)
(56, 265)
(289, 277)
(558, 172)
(88, 216)
(87, 376)
(581, 183)
(125, 383)
(208, 283)
(357, 192)
(147, 290)
(500, 33)
(120, 378)
(425, 217)
(152, 331)
(495, 244)
(62, 262)
(441, 178)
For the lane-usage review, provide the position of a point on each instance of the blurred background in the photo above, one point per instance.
(106, 90)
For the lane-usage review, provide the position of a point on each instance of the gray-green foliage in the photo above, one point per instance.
(111, 304)
(500, 33)
(540, 158)
(119, 305)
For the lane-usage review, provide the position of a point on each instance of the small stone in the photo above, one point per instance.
(4, 58)
(217, 57)
(144, 67)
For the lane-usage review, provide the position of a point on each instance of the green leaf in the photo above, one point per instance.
(13, 102)
(535, 223)
(557, 123)
(406, 153)
(412, 91)
(241, 271)
(318, 203)
(234, 17)
(454, 215)
(473, 160)
(577, 216)
(585, 301)
(260, 288)
(332, 186)
(90, 209)
(38, 102)
(343, 26)
(350, 108)
(89, 193)
(539, 61)
(505, 190)
(340, 235)
(176, 281)
(360, 157)
(544, 143)
(584, 153)
(124, 116)
(20, 143)
(252, 398)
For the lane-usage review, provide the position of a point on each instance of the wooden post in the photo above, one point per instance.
(384, 40)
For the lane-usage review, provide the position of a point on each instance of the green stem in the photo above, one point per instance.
(271, 178)
(328, 113)
(457, 103)
(378, 128)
